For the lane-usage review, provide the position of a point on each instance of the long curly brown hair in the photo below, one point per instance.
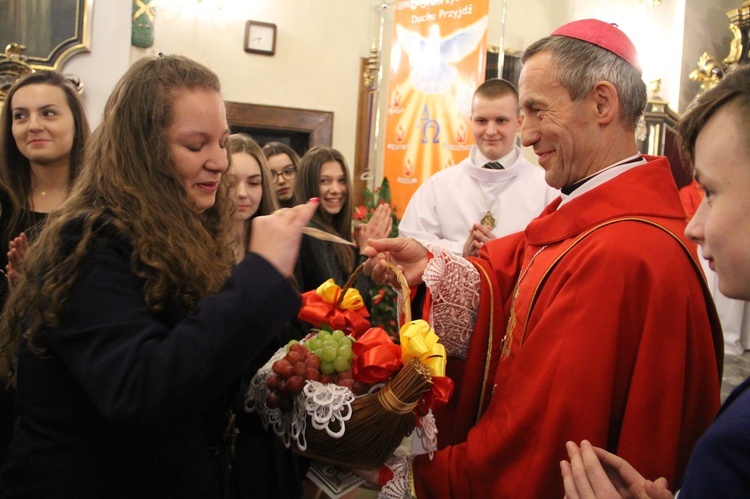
(128, 181)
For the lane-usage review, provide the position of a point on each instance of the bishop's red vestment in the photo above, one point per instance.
(613, 338)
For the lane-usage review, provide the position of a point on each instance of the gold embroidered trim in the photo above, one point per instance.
(488, 357)
(412, 487)
(696, 265)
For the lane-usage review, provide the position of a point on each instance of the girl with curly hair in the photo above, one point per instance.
(128, 323)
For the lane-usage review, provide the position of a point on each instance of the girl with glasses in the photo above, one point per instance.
(283, 162)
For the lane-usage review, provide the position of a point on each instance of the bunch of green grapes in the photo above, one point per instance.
(335, 351)
(325, 357)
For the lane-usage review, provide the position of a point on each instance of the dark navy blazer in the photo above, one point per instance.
(719, 465)
(125, 402)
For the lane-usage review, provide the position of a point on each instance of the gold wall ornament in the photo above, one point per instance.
(735, 47)
(654, 87)
(740, 26)
(67, 29)
(709, 72)
(12, 67)
(65, 24)
(370, 73)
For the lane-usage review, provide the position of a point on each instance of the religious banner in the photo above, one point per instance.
(142, 31)
(437, 61)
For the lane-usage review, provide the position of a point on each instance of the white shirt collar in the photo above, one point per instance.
(479, 160)
(604, 175)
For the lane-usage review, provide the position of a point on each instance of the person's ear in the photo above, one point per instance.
(520, 121)
(607, 102)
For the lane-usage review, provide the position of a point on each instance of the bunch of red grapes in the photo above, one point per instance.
(325, 357)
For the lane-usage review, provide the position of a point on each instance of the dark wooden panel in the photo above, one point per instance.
(319, 124)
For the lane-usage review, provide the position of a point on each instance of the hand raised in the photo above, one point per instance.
(277, 237)
(378, 227)
(16, 253)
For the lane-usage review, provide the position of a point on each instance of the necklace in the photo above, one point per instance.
(50, 193)
(488, 220)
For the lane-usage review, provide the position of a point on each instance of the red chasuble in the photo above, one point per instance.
(613, 338)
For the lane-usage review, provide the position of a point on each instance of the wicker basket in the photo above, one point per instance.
(379, 422)
(363, 431)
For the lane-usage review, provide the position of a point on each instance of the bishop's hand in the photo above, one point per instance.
(405, 253)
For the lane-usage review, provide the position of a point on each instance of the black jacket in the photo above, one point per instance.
(128, 403)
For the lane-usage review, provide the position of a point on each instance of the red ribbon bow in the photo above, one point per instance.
(379, 358)
(315, 311)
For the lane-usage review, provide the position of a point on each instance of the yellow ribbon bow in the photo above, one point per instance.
(419, 340)
(329, 292)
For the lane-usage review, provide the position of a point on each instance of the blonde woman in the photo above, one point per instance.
(251, 188)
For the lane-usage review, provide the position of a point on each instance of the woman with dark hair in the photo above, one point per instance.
(130, 321)
(283, 162)
(43, 129)
(323, 173)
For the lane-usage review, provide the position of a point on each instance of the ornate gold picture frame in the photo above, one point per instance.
(41, 34)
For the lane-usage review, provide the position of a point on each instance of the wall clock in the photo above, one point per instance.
(260, 38)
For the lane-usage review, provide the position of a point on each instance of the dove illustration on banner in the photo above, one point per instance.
(431, 58)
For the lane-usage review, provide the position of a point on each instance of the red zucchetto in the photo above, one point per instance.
(605, 35)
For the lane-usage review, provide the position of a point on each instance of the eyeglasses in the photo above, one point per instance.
(288, 173)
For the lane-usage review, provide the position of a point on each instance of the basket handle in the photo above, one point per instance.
(405, 290)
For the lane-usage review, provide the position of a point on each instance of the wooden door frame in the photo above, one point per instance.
(319, 124)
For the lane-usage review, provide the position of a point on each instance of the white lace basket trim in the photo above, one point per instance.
(399, 487)
(427, 433)
(454, 285)
(328, 405)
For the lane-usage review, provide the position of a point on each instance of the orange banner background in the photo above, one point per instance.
(437, 61)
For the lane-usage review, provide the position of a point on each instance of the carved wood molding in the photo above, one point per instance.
(319, 124)
(362, 139)
(660, 139)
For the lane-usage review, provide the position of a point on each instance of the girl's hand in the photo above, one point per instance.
(378, 227)
(276, 237)
(17, 250)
